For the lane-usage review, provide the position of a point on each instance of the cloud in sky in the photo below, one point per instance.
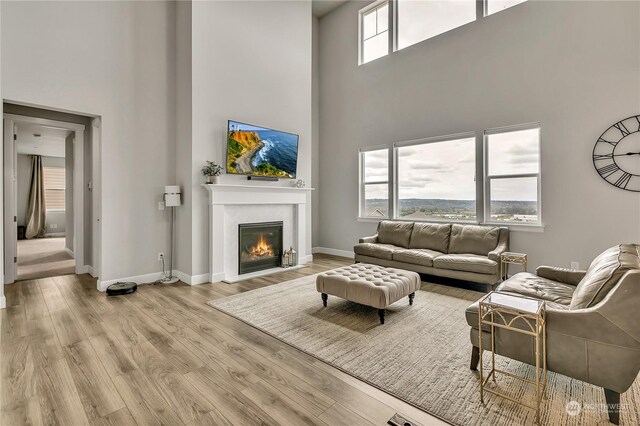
(446, 170)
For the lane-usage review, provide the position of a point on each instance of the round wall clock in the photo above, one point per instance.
(616, 154)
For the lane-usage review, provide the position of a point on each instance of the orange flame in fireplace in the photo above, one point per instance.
(262, 248)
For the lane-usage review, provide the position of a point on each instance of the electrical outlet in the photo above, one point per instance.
(160, 205)
(575, 265)
(160, 257)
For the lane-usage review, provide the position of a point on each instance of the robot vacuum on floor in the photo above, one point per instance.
(121, 288)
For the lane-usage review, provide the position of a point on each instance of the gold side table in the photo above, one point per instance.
(509, 257)
(519, 315)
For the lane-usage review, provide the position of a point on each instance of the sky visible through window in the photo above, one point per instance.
(419, 19)
(437, 180)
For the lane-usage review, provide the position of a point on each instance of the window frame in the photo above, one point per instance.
(362, 184)
(487, 177)
(424, 141)
(390, 28)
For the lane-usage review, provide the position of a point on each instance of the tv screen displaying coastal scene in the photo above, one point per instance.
(258, 151)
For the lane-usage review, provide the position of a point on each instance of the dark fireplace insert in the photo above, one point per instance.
(259, 246)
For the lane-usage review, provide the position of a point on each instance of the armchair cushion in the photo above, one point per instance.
(474, 239)
(568, 276)
(530, 285)
(603, 274)
(434, 236)
(396, 233)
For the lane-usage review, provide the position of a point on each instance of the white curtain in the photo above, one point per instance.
(36, 209)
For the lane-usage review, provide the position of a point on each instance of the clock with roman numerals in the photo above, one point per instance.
(616, 155)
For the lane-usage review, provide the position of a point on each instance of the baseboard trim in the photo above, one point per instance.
(69, 252)
(3, 302)
(192, 279)
(334, 252)
(54, 234)
(139, 279)
(153, 277)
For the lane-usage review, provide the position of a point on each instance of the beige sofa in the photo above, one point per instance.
(465, 252)
(592, 322)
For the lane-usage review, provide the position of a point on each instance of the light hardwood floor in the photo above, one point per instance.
(71, 355)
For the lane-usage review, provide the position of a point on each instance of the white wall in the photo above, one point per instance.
(114, 60)
(251, 61)
(572, 66)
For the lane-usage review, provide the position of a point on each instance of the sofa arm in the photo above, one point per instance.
(371, 239)
(503, 245)
(563, 275)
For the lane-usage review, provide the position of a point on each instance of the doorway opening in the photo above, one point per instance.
(44, 198)
(48, 193)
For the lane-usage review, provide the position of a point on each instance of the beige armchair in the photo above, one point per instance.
(593, 318)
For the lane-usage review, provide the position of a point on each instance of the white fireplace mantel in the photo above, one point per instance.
(223, 197)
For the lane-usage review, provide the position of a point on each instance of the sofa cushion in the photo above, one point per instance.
(474, 239)
(423, 257)
(603, 274)
(381, 251)
(466, 262)
(396, 233)
(434, 236)
(530, 285)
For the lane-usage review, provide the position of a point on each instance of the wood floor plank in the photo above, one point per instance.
(59, 400)
(14, 323)
(339, 415)
(27, 413)
(144, 402)
(18, 373)
(67, 328)
(278, 406)
(112, 354)
(229, 401)
(71, 355)
(95, 388)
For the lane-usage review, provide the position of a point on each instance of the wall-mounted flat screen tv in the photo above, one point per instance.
(258, 151)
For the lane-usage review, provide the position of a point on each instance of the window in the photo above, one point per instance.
(493, 6)
(402, 23)
(374, 32)
(512, 175)
(54, 187)
(374, 182)
(419, 20)
(436, 179)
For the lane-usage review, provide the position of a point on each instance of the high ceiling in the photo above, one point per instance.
(322, 7)
(50, 143)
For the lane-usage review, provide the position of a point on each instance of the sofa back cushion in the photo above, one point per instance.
(603, 274)
(433, 236)
(396, 233)
(473, 239)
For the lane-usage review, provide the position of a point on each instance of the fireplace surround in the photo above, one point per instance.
(259, 246)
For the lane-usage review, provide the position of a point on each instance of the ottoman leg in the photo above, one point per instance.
(381, 315)
(324, 299)
(411, 296)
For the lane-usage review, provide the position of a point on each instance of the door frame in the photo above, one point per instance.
(10, 196)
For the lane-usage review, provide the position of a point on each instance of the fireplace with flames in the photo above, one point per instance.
(259, 246)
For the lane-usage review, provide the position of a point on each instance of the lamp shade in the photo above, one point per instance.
(172, 195)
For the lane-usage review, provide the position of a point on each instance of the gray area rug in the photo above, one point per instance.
(420, 355)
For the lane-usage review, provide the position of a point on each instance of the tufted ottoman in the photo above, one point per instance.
(370, 285)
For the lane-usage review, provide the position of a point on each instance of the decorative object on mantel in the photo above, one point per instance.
(299, 184)
(616, 154)
(289, 258)
(211, 170)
